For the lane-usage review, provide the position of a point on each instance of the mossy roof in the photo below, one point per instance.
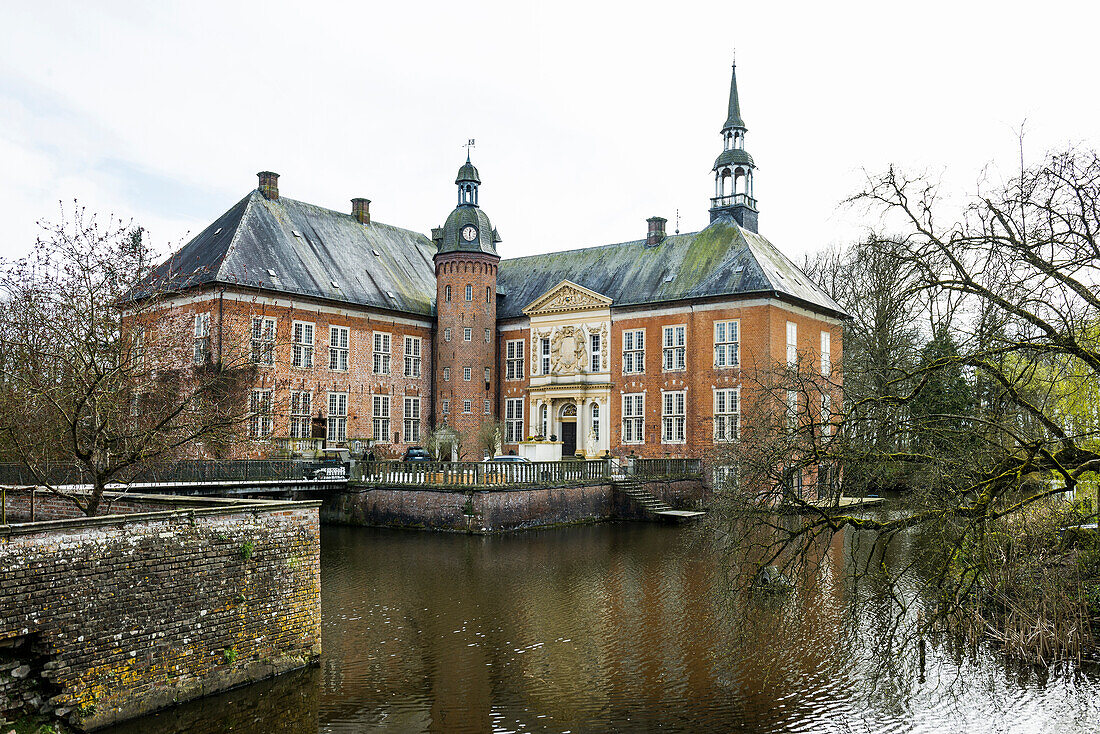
(722, 260)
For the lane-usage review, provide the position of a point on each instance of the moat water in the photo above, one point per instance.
(615, 627)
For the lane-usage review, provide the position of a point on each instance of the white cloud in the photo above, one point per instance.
(589, 117)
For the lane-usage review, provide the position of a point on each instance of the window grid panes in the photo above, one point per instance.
(634, 352)
(261, 420)
(412, 420)
(263, 340)
(380, 417)
(727, 347)
(673, 418)
(727, 414)
(301, 408)
(675, 348)
(302, 345)
(338, 339)
(412, 356)
(513, 362)
(381, 353)
(337, 416)
(633, 418)
(513, 420)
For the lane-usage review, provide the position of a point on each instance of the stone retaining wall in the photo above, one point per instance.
(111, 617)
(485, 511)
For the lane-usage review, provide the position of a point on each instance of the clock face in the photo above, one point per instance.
(469, 233)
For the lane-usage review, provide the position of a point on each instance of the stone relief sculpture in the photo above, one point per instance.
(568, 350)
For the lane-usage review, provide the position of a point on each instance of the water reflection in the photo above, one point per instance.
(626, 627)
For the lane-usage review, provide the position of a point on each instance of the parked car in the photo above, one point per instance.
(509, 460)
(334, 463)
(416, 453)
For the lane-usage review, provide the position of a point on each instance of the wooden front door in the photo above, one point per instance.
(568, 440)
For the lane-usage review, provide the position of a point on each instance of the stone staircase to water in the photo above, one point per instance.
(653, 506)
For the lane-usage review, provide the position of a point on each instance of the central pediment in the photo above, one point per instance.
(567, 296)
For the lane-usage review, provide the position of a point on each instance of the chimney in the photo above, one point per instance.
(269, 185)
(360, 209)
(656, 231)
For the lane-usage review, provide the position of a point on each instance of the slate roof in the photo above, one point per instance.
(308, 248)
(722, 260)
(256, 236)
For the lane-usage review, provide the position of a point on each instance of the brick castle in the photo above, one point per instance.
(368, 334)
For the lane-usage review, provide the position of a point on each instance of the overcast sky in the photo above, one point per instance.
(588, 116)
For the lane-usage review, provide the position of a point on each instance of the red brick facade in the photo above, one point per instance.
(465, 337)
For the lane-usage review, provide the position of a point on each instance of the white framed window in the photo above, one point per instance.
(595, 423)
(725, 477)
(447, 294)
(826, 353)
(137, 347)
(792, 344)
(447, 334)
(488, 336)
(675, 348)
(792, 410)
(544, 421)
(488, 407)
(301, 409)
(673, 417)
(634, 352)
(467, 406)
(263, 340)
(469, 292)
(826, 414)
(727, 344)
(488, 294)
(594, 352)
(513, 420)
(302, 345)
(513, 359)
(380, 417)
(446, 407)
(488, 374)
(544, 350)
(382, 347)
(727, 414)
(467, 334)
(411, 415)
(337, 416)
(634, 418)
(261, 421)
(202, 340)
(467, 374)
(339, 338)
(412, 356)
(446, 374)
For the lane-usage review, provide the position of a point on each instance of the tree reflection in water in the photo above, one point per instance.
(628, 627)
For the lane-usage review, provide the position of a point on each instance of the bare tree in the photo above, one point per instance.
(98, 370)
(984, 414)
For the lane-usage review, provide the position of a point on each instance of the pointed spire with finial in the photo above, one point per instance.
(733, 120)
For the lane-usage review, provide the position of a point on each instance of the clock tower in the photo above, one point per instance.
(466, 260)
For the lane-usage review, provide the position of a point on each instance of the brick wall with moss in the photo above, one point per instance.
(113, 617)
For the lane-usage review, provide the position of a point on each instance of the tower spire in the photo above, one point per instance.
(733, 119)
(734, 168)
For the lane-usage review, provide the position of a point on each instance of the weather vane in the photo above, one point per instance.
(677, 220)
(469, 144)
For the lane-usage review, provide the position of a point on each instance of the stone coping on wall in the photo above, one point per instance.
(182, 506)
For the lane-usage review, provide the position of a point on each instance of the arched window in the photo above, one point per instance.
(447, 294)
(469, 292)
(488, 294)
(596, 420)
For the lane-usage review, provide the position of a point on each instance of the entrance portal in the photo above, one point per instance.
(568, 440)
